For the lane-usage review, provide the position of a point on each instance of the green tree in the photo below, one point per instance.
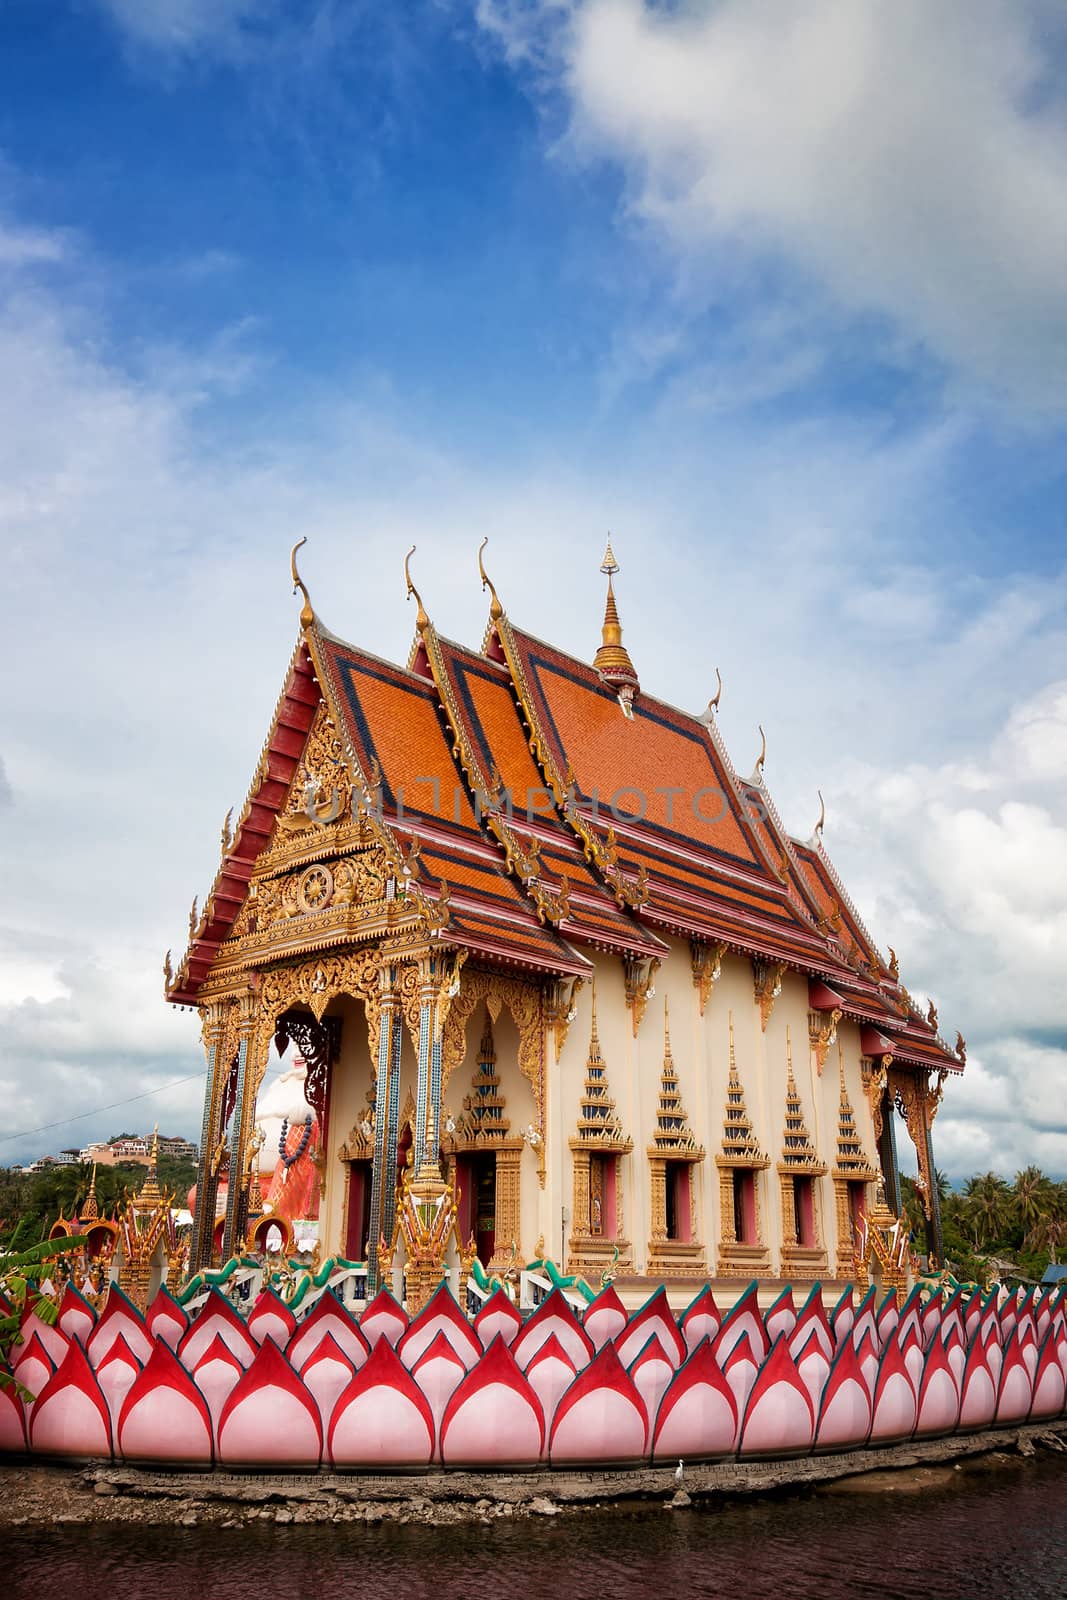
(1032, 1197)
(987, 1208)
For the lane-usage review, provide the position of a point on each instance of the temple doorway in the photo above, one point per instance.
(484, 1195)
(357, 1229)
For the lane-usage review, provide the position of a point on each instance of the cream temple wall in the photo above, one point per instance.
(700, 1046)
(701, 1054)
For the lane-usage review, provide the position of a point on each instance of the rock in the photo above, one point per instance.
(679, 1500)
(283, 1514)
(189, 1520)
(507, 1509)
(1025, 1447)
(541, 1506)
(104, 1487)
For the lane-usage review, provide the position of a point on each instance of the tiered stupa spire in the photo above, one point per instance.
(612, 660)
(90, 1211)
(598, 1120)
(484, 1119)
(739, 1142)
(797, 1149)
(150, 1196)
(851, 1156)
(673, 1135)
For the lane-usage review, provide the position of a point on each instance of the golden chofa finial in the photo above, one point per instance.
(713, 703)
(422, 621)
(496, 610)
(612, 660)
(307, 615)
(820, 825)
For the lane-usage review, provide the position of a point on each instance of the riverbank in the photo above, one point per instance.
(34, 1494)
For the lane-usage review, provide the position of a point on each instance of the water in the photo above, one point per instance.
(990, 1535)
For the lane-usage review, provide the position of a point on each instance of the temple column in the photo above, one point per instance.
(934, 1238)
(427, 998)
(887, 1154)
(214, 1018)
(386, 1117)
(243, 1115)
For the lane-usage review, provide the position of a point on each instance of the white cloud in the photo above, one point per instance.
(184, 26)
(150, 613)
(23, 247)
(908, 159)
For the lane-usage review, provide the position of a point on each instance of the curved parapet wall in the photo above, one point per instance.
(325, 1388)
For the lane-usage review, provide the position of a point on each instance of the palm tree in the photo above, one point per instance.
(1032, 1197)
(987, 1207)
(1046, 1236)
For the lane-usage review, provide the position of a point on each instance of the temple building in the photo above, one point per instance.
(556, 969)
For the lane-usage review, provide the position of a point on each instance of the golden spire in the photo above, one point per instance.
(307, 615)
(150, 1196)
(90, 1210)
(598, 1120)
(739, 1143)
(496, 610)
(851, 1158)
(422, 621)
(797, 1148)
(672, 1132)
(822, 816)
(612, 660)
(713, 703)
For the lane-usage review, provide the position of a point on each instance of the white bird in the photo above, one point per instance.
(679, 1472)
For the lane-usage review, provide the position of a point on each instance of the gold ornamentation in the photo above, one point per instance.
(767, 984)
(422, 621)
(707, 967)
(526, 1005)
(227, 831)
(961, 1048)
(552, 907)
(315, 888)
(740, 1151)
(639, 975)
(496, 610)
(321, 791)
(883, 1240)
(894, 964)
(307, 615)
(851, 1166)
(931, 1015)
(561, 1008)
(822, 1032)
(912, 1096)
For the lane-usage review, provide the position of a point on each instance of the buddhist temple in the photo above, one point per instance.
(563, 985)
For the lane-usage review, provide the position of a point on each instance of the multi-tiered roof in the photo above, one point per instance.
(482, 776)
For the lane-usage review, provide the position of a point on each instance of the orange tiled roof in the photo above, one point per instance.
(647, 825)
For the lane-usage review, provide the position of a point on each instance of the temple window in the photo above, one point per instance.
(851, 1176)
(674, 1247)
(741, 1162)
(799, 1170)
(596, 1238)
(487, 1161)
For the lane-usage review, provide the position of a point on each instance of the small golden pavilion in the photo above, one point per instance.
(537, 939)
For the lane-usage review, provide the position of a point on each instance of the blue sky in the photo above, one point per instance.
(774, 293)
